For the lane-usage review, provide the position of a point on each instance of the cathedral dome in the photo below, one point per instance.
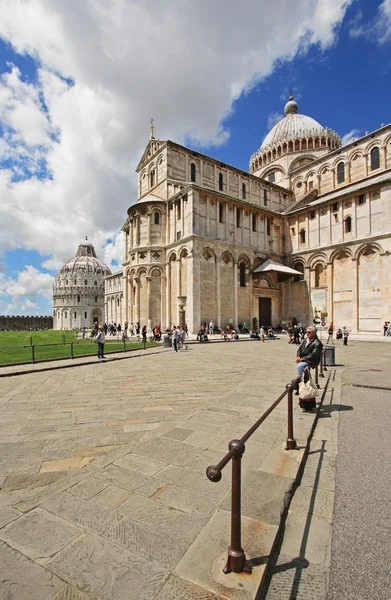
(85, 262)
(293, 126)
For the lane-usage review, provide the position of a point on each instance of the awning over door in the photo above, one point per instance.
(283, 271)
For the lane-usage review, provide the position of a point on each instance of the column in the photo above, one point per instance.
(124, 316)
(347, 171)
(149, 320)
(318, 226)
(355, 298)
(131, 230)
(235, 290)
(137, 230)
(182, 217)
(137, 303)
(225, 211)
(149, 216)
(163, 283)
(330, 224)
(354, 218)
(330, 293)
(310, 318)
(168, 297)
(368, 195)
(167, 241)
(307, 228)
(218, 292)
(297, 236)
(366, 164)
(383, 162)
(251, 298)
(207, 217)
(131, 298)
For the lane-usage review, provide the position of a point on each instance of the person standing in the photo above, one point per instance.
(100, 340)
(345, 335)
(144, 334)
(330, 334)
(262, 333)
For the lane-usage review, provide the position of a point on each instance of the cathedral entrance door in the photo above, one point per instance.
(265, 311)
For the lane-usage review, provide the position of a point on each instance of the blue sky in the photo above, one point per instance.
(77, 92)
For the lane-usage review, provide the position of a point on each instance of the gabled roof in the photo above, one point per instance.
(153, 146)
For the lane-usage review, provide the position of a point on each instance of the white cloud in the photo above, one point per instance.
(28, 284)
(350, 136)
(126, 61)
(377, 29)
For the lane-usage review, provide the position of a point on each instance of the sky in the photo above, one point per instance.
(81, 79)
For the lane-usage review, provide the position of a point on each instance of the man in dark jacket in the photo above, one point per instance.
(309, 353)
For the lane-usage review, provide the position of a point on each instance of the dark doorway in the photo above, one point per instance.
(265, 311)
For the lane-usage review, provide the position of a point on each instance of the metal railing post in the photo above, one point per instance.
(290, 442)
(317, 376)
(33, 353)
(321, 374)
(124, 344)
(236, 561)
(71, 349)
(324, 360)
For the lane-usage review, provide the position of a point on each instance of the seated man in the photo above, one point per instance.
(309, 353)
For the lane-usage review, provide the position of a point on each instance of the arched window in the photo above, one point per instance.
(96, 298)
(95, 283)
(242, 274)
(78, 298)
(375, 159)
(341, 172)
(193, 172)
(65, 315)
(156, 218)
(243, 191)
(298, 267)
(66, 282)
(302, 236)
(85, 282)
(221, 182)
(348, 225)
(152, 178)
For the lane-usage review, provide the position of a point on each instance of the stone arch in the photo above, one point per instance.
(340, 253)
(172, 256)
(264, 281)
(244, 258)
(339, 159)
(299, 265)
(363, 249)
(183, 252)
(319, 257)
(301, 161)
(208, 254)
(324, 169)
(227, 257)
(372, 144)
(355, 154)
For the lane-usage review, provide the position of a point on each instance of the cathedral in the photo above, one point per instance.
(305, 234)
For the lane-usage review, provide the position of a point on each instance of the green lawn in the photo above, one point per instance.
(16, 346)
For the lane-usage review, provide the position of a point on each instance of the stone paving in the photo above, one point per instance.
(102, 469)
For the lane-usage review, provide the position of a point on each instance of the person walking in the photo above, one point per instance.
(345, 335)
(100, 340)
(144, 334)
(177, 338)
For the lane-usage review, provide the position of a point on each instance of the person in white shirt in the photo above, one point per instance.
(100, 340)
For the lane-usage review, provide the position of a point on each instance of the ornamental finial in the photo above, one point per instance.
(151, 130)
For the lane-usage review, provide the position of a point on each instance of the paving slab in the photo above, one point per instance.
(107, 570)
(39, 534)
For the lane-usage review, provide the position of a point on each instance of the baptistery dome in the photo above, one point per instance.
(78, 290)
(86, 262)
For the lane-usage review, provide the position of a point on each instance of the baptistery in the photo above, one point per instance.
(78, 290)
